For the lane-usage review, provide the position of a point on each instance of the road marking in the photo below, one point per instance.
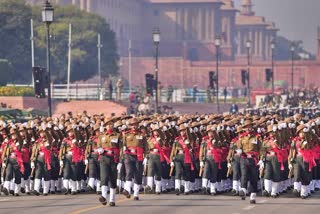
(249, 207)
(97, 207)
(4, 199)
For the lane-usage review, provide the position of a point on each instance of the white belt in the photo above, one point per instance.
(41, 153)
(155, 150)
(69, 153)
(249, 156)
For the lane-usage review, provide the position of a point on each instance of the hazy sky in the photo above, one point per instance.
(296, 19)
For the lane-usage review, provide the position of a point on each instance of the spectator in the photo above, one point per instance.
(209, 94)
(119, 89)
(110, 89)
(234, 109)
(225, 93)
(194, 93)
(169, 93)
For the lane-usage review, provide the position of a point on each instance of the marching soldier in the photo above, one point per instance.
(155, 157)
(134, 149)
(302, 159)
(180, 158)
(12, 162)
(250, 145)
(41, 161)
(69, 156)
(92, 159)
(26, 155)
(233, 160)
(109, 145)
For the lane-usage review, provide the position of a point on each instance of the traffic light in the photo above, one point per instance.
(244, 77)
(212, 79)
(150, 84)
(39, 82)
(269, 75)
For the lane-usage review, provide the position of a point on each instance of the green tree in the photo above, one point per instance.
(85, 29)
(15, 37)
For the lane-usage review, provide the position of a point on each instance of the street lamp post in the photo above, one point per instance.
(217, 43)
(292, 49)
(273, 45)
(47, 18)
(156, 41)
(248, 45)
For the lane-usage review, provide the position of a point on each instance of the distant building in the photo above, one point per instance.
(188, 29)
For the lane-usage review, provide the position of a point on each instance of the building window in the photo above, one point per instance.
(156, 12)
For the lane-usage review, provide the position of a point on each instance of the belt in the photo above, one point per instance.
(108, 152)
(41, 153)
(69, 153)
(13, 155)
(271, 154)
(248, 156)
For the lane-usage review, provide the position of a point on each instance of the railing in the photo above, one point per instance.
(93, 92)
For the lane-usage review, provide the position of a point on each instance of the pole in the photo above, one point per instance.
(32, 50)
(99, 61)
(272, 67)
(217, 68)
(130, 65)
(69, 64)
(248, 75)
(292, 68)
(156, 75)
(48, 69)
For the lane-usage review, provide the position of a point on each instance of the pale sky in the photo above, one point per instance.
(296, 19)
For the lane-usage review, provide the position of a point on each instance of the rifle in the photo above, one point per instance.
(172, 167)
(291, 170)
(229, 172)
(35, 161)
(88, 150)
(204, 160)
(6, 160)
(62, 155)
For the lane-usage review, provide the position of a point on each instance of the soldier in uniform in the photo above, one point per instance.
(134, 149)
(12, 163)
(41, 161)
(155, 156)
(26, 154)
(69, 156)
(92, 159)
(180, 158)
(233, 160)
(275, 154)
(109, 150)
(302, 159)
(250, 146)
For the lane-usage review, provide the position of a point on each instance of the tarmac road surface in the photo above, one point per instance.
(159, 204)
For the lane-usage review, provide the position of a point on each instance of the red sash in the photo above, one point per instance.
(163, 156)
(282, 154)
(139, 152)
(216, 153)
(187, 155)
(307, 155)
(18, 157)
(25, 155)
(47, 156)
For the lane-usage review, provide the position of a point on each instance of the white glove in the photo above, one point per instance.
(3, 165)
(86, 162)
(61, 163)
(145, 161)
(119, 167)
(124, 148)
(32, 164)
(101, 129)
(229, 165)
(261, 164)
(100, 151)
(74, 141)
(24, 142)
(290, 166)
(201, 164)
(172, 164)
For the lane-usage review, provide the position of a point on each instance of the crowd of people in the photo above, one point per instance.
(185, 154)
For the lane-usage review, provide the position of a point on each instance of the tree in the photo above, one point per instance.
(85, 29)
(15, 37)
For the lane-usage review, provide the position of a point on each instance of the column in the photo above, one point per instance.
(207, 23)
(213, 30)
(89, 5)
(239, 43)
(83, 4)
(257, 42)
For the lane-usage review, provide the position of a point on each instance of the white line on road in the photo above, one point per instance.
(249, 207)
(4, 199)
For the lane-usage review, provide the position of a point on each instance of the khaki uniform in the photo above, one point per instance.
(135, 147)
(250, 145)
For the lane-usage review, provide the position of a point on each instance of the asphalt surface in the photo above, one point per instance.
(159, 204)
